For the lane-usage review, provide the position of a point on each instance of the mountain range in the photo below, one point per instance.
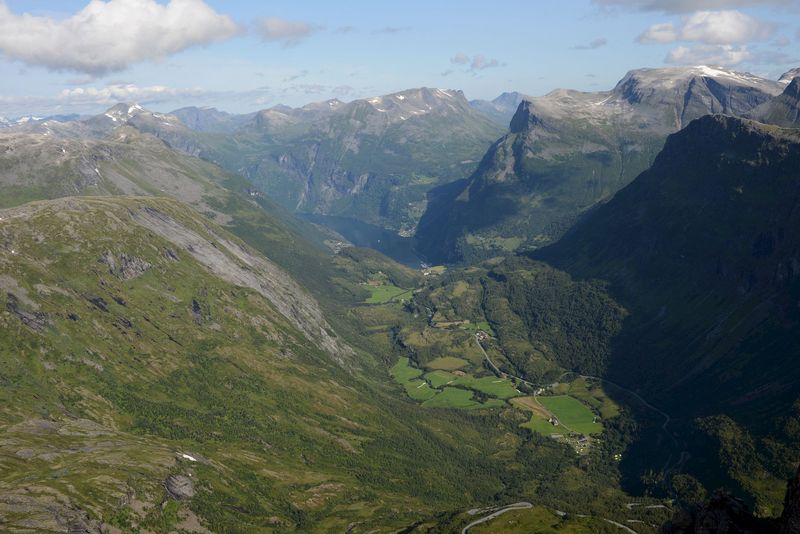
(500, 109)
(180, 352)
(373, 160)
(567, 151)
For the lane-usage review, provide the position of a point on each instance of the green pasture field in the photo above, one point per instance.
(386, 293)
(572, 413)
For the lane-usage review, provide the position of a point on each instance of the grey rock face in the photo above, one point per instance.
(180, 487)
(35, 320)
(569, 150)
(783, 110)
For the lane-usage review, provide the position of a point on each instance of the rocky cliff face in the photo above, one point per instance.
(569, 150)
(783, 110)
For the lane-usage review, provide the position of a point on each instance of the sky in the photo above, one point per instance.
(82, 56)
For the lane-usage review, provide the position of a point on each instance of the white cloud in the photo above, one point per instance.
(592, 45)
(108, 36)
(392, 29)
(296, 76)
(723, 55)
(688, 6)
(711, 27)
(481, 62)
(92, 99)
(474, 63)
(660, 33)
(289, 32)
(112, 94)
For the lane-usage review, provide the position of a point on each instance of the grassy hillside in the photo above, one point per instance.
(371, 160)
(142, 388)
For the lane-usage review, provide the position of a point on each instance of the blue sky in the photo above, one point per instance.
(242, 56)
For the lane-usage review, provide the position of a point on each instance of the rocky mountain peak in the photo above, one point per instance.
(789, 75)
(524, 118)
(782, 110)
(793, 89)
(642, 85)
(124, 111)
(509, 98)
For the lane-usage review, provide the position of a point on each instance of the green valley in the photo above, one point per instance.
(404, 313)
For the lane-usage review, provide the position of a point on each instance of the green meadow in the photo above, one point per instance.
(386, 293)
(572, 413)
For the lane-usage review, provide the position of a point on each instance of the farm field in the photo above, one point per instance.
(452, 398)
(437, 389)
(419, 390)
(491, 385)
(403, 372)
(572, 413)
(439, 379)
(447, 363)
(473, 328)
(542, 426)
(386, 293)
(538, 422)
(584, 390)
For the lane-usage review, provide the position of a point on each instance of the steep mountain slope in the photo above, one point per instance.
(718, 207)
(53, 159)
(568, 150)
(501, 109)
(788, 76)
(151, 378)
(783, 110)
(702, 251)
(373, 160)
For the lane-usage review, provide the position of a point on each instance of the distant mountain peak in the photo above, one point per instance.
(524, 118)
(793, 89)
(508, 98)
(123, 112)
(502, 108)
(782, 110)
(789, 75)
(673, 77)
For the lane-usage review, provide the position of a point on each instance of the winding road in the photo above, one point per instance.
(526, 505)
(638, 397)
(498, 513)
(664, 427)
